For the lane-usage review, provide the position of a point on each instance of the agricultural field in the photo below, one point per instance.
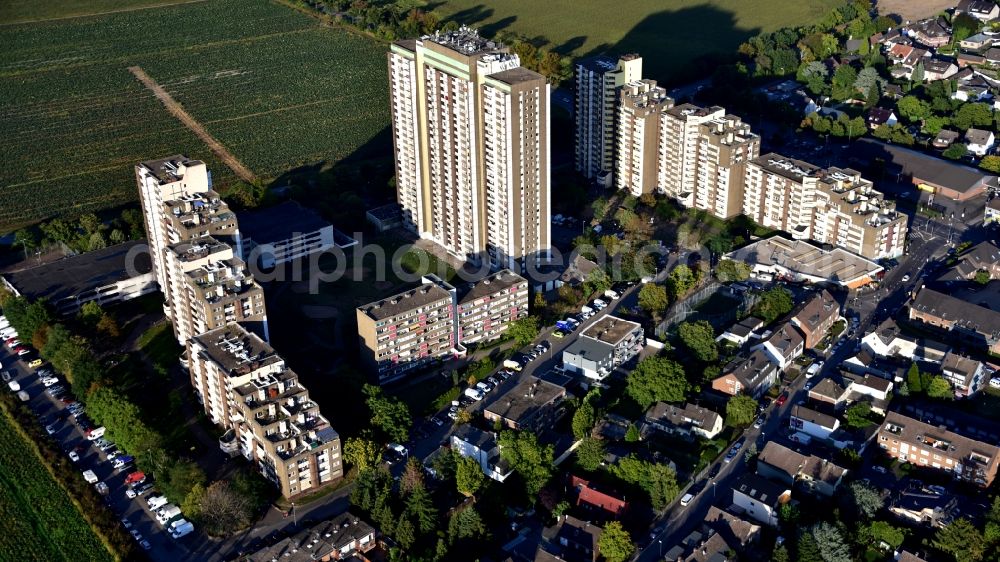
(17, 11)
(669, 35)
(40, 521)
(271, 84)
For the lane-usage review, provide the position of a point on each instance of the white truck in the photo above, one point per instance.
(182, 530)
(156, 502)
(166, 513)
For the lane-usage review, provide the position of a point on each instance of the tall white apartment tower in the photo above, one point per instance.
(471, 144)
(638, 134)
(680, 135)
(597, 82)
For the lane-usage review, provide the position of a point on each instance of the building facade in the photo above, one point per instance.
(487, 309)
(471, 145)
(597, 82)
(640, 103)
(247, 388)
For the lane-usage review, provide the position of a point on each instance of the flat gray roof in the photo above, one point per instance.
(525, 400)
(610, 329)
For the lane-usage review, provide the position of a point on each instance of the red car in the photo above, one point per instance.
(782, 399)
(135, 478)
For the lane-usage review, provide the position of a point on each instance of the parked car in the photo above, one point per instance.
(50, 429)
(759, 422)
(73, 456)
(95, 433)
(136, 491)
(782, 398)
(135, 478)
(686, 500)
(49, 381)
(35, 363)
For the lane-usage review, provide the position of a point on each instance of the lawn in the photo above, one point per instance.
(270, 83)
(669, 38)
(40, 521)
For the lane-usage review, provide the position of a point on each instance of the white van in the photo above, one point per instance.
(182, 530)
(156, 502)
(166, 513)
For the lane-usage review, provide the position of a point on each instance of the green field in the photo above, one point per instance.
(15, 11)
(40, 522)
(668, 34)
(268, 82)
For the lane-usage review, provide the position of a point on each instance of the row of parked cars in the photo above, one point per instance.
(571, 323)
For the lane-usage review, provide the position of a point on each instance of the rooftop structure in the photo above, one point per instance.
(969, 322)
(339, 538)
(532, 404)
(798, 260)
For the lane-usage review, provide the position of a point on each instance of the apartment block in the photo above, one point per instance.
(963, 321)
(247, 388)
(489, 305)
(680, 135)
(597, 82)
(779, 192)
(911, 440)
(725, 146)
(208, 287)
(471, 145)
(640, 103)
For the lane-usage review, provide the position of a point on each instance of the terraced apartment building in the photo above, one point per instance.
(247, 388)
(640, 103)
(471, 145)
(598, 80)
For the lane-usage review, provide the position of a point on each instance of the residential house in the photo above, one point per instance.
(930, 509)
(979, 141)
(815, 317)
(577, 540)
(973, 89)
(977, 42)
(577, 272)
(938, 69)
(875, 390)
(481, 446)
(593, 497)
(984, 256)
(906, 556)
(720, 536)
(973, 324)
(887, 340)
(992, 212)
(965, 60)
(784, 346)
(741, 332)
(816, 474)
(760, 498)
(992, 56)
(931, 33)
(531, 405)
(945, 138)
(828, 391)
(911, 440)
(603, 346)
(967, 376)
(687, 420)
(753, 375)
(345, 537)
(982, 10)
(814, 424)
(906, 55)
(879, 116)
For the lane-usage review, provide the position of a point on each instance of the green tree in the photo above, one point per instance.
(597, 282)
(90, 314)
(615, 543)
(524, 330)
(191, 506)
(991, 532)
(914, 380)
(584, 419)
(990, 163)
(632, 434)
(807, 549)
(659, 481)
(780, 554)
(831, 543)
(869, 82)
(973, 115)
(681, 280)
(867, 500)
(532, 461)
(934, 123)
(28, 239)
(372, 488)
(913, 108)
(390, 415)
(590, 454)
(699, 338)
(419, 506)
(917, 76)
(181, 478)
(940, 388)
(405, 534)
(961, 540)
(857, 415)
(466, 524)
(469, 475)
(730, 270)
(878, 531)
(789, 515)
(656, 379)
(740, 411)
(962, 26)
(653, 299)
(843, 82)
(364, 454)
(773, 304)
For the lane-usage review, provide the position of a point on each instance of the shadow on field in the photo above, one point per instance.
(491, 29)
(473, 15)
(681, 44)
(571, 45)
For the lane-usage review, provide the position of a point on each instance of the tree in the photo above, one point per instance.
(181, 478)
(539, 303)
(913, 379)
(584, 419)
(740, 411)
(991, 532)
(191, 506)
(961, 540)
(940, 388)
(808, 550)
(371, 488)
(656, 379)
(524, 330)
(990, 163)
(962, 26)
(917, 76)
(597, 282)
(843, 82)
(364, 454)
(469, 475)
(659, 481)
(632, 434)
(857, 415)
(773, 304)
(831, 543)
(531, 460)
(590, 454)
(27, 238)
(913, 108)
(419, 507)
(869, 82)
(877, 532)
(680, 281)
(405, 534)
(956, 151)
(866, 499)
(223, 510)
(466, 524)
(973, 115)
(789, 515)
(653, 299)
(699, 338)
(780, 554)
(731, 270)
(615, 543)
(391, 415)
(412, 477)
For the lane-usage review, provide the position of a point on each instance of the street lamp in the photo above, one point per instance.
(294, 518)
(661, 547)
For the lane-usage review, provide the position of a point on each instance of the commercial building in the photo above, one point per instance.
(487, 307)
(603, 346)
(640, 103)
(345, 537)
(286, 232)
(967, 322)
(759, 498)
(800, 261)
(471, 145)
(247, 388)
(107, 276)
(689, 419)
(911, 440)
(483, 448)
(531, 405)
(597, 83)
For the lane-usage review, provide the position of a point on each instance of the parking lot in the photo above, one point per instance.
(65, 421)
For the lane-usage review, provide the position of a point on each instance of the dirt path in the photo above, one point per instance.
(177, 111)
